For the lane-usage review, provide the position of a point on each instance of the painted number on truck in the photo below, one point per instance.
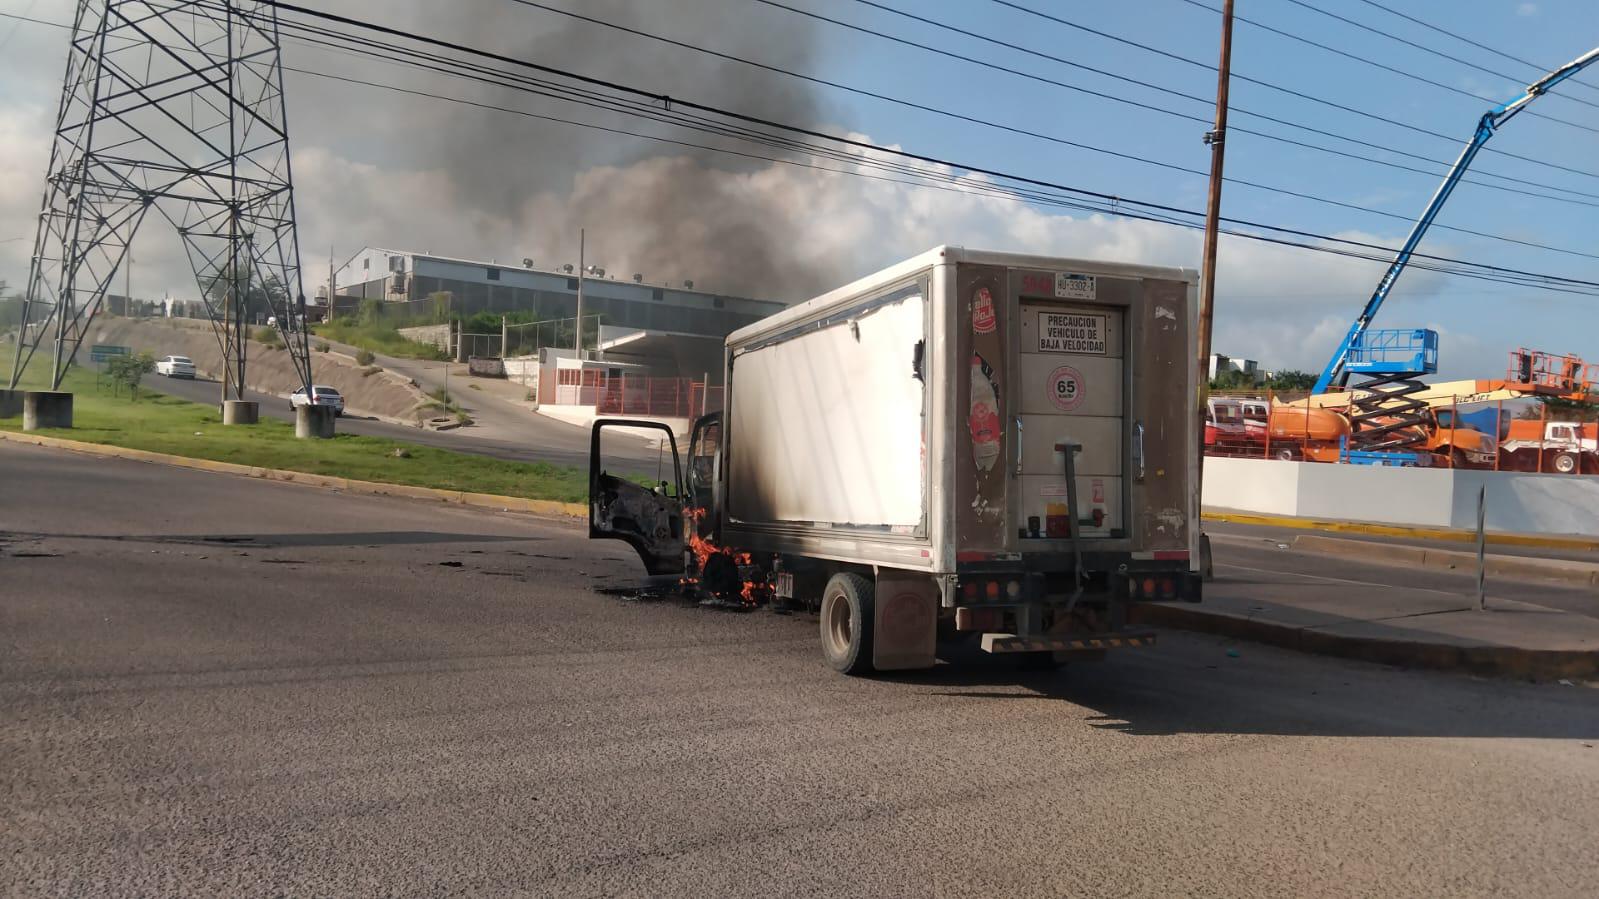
(1071, 332)
(1066, 388)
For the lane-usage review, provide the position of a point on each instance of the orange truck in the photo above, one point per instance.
(1317, 434)
(1562, 447)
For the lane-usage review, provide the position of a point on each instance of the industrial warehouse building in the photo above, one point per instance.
(476, 286)
(656, 349)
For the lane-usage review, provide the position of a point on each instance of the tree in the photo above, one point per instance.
(1292, 379)
(129, 371)
(1232, 380)
(10, 308)
(263, 297)
(369, 312)
(1562, 409)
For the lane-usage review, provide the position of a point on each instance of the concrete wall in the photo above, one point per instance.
(438, 335)
(1426, 497)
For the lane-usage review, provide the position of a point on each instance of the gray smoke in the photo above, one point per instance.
(666, 211)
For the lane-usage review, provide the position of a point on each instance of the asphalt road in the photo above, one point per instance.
(546, 440)
(213, 685)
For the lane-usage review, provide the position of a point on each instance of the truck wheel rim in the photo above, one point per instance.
(838, 625)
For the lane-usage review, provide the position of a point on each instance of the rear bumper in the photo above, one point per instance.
(1052, 581)
(1003, 643)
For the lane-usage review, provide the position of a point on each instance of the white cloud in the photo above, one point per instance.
(1527, 9)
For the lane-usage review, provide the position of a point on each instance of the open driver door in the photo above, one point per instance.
(649, 519)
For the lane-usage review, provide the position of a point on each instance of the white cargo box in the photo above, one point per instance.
(917, 418)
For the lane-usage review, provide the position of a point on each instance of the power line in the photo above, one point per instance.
(1022, 131)
(1151, 212)
(1291, 91)
(1331, 104)
(1426, 49)
(995, 192)
(666, 102)
(1481, 46)
(1234, 108)
(1393, 69)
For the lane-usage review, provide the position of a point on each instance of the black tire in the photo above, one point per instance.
(846, 623)
(1285, 454)
(1567, 463)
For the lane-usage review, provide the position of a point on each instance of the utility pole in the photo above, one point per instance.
(1218, 151)
(1217, 138)
(578, 344)
(332, 288)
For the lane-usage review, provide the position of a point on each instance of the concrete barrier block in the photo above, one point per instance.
(46, 409)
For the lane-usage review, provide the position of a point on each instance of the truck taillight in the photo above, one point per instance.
(1149, 586)
(969, 591)
(993, 590)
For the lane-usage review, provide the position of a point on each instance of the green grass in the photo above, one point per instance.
(379, 339)
(163, 424)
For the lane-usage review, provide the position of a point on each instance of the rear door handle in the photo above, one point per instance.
(1019, 445)
(1138, 448)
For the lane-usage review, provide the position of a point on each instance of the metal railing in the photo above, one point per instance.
(1268, 425)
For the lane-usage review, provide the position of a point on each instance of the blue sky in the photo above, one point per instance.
(1491, 314)
(366, 160)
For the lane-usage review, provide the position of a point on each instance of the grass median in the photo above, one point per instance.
(164, 424)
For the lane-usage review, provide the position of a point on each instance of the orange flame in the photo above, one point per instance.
(753, 593)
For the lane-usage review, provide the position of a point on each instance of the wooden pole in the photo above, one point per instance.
(1207, 285)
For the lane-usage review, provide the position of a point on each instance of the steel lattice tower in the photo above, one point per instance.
(175, 106)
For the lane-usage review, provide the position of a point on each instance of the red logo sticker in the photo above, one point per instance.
(1066, 388)
(983, 318)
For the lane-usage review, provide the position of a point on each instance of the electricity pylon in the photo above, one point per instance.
(174, 106)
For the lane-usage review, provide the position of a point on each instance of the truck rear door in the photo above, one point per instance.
(1069, 390)
(1164, 427)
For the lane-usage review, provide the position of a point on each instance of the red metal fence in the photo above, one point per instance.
(642, 395)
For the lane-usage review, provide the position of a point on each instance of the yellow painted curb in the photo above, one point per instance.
(541, 507)
(1394, 530)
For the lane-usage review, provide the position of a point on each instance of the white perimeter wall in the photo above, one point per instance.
(1426, 497)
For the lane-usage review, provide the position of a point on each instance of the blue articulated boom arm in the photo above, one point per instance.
(1486, 126)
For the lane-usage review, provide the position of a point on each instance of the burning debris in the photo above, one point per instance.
(721, 573)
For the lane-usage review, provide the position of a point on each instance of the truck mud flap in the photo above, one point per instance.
(998, 643)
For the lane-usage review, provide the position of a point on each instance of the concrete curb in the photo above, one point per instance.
(543, 508)
(1394, 530)
(1585, 574)
(1489, 661)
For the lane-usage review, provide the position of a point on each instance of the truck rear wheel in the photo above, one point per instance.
(846, 623)
(1566, 463)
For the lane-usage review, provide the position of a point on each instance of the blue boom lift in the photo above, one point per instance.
(1394, 358)
(1385, 415)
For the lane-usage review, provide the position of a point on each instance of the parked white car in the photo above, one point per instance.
(175, 367)
(322, 395)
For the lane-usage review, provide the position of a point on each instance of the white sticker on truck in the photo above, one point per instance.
(1074, 287)
(1071, 332)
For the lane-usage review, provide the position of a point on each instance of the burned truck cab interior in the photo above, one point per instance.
(647, 518)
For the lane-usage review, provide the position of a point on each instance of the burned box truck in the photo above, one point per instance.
(966, 446)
